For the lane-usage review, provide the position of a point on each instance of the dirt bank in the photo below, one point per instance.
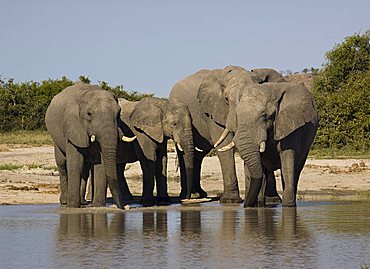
(28, 176)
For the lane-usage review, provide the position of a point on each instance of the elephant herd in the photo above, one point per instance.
(271, 122)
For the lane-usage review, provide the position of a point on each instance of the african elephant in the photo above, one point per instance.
(82, 121)
(273, 126)
(153, 121)
(209, 123)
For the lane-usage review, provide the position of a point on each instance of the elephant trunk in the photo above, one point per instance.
(250, 154)
(108, 143)
(188, 147)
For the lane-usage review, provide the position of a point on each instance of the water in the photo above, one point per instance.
(315, 235)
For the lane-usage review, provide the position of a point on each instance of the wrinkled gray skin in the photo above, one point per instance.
(281, 114)
(210, 123)
(73, 116)
(153, 121)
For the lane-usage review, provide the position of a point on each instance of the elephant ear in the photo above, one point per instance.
(296, 108)
(148, 118)
(212, 100)
(263, 75)
(74, 127)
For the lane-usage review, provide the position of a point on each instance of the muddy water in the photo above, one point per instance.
(315, 235)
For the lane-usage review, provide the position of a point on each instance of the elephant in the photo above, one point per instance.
(273, 126)
(209, 124)
(153, 121)
(82, 122)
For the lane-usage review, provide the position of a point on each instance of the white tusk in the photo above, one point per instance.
(262, 146)
(128, 139)
(179, 147)
(222, 137)
(198, 149)
(92, 138)
(228, 147)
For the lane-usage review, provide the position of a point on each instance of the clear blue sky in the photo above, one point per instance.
(148, 45)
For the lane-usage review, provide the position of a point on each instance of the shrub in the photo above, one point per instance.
(342, 92)
(23, 105)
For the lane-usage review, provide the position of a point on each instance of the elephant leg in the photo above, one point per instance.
(197, 172)
(100, 186)
(161, 177)
(62, 168)
(262, 194)
(183, 180)
(231, 188)
(272, 197)
(196, 190)
(90, 185)
(227, 161)
(85, 176)
(75, 163)
(122, 182)
(148, 168)
(287, 169)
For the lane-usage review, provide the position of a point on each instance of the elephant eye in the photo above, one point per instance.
(264, 115)
(226, 100)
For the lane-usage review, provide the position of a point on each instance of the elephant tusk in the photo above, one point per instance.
(222, 137)
(92, 138)
(198, 149)
(179, 147)
(128, 139)
(228, 147)
(262, 146)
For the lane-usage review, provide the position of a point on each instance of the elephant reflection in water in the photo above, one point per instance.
(155, 223)
(286, 241)
(79, 236)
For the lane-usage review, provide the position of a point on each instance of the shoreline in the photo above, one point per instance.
(28, 176)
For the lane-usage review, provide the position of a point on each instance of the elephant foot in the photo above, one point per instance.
(128, 198)
(98, 204)
(250, 204)
(289, 200)
(63, 199)
(290, 204)
(273, 200)
(146, 202)
(84, 202)
(230, 199)
(202, 193)
(74, 205)
(165, 200)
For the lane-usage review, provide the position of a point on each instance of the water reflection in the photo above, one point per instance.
(315, 235)
(185, 237)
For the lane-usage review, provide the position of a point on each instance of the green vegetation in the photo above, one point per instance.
(335, 153)
(33, 138)
(23, 105)
(342, 92)
(10, 166)
(341, 89)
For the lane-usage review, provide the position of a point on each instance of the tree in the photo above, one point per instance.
(342, 92)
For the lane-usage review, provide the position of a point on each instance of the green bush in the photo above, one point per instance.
(23, 105)
(342, 92)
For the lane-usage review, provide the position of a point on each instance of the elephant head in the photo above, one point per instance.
(222, 86)
(271, 110)
(163, 119)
